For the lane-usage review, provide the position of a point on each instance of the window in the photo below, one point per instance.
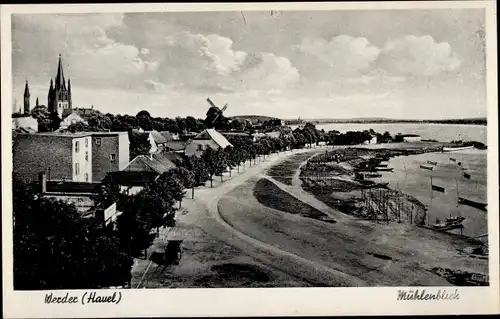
(77, 146)
(98, 141)
(86, 177)
(87, 156)
(200, 147)
(86, 142)
(112, 157)
(77, 169)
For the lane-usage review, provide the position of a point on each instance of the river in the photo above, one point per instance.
(440, 132)
(415, 181)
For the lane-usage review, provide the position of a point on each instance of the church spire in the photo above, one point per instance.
(60, 82)
(26, 98)
(26, 90)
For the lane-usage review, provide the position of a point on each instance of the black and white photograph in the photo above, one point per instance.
(266, 147)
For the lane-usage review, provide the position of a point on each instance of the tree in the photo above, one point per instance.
(55, 248)
(144, 120)
(139, 144)
(198, 167)
(79, 127)
(215, 162)
(134, 225)
(186, 177)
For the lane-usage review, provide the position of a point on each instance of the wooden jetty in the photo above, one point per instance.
(468, 202)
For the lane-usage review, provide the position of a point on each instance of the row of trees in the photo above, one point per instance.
(97, 121)
(56, 248)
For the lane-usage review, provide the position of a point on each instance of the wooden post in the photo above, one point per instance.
(431, 190)
(192, 192)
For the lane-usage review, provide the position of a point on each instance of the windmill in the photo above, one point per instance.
(215, 109)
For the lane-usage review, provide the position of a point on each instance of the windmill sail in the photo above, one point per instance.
(224, 108)
(466, 175)
(210, 102)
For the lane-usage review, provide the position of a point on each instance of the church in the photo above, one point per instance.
(59, 97)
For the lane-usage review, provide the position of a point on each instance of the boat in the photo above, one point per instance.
(427, 167)
(384, 169)
(372, 175)
(382, 184)
(432, 163)
(456, 148)
(468, 202)
(449, 224)
(453, 159)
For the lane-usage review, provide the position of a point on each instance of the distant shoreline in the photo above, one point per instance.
(449, 122)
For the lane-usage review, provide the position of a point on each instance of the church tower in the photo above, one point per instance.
(26, 99)
(59, 97)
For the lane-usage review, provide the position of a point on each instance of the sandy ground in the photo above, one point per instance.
(232, 240)
(212, 255)
(406, 254)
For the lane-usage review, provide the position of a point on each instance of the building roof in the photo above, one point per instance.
(83, 113)
(273, 134)
(24, 121)
(211, 134)
(157, 137)
(154, 163)
(173, 156)
(108, 133)
(176, 145)
(59, 134)
(169, 136)
(243, 134)
(132, 178)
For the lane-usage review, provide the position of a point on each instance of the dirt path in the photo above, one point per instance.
(209, 242)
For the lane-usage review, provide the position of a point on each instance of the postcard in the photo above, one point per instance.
(257, 159)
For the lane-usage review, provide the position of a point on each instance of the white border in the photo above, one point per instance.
(256, 301)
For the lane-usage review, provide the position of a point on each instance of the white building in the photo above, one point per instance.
(202, 141)
(412, 138)
(27, 123)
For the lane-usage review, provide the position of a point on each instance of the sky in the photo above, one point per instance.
(407, 64)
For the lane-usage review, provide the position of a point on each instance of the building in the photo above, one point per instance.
(59, 96)
(27, 124)
(169, 136)
(140, 171)
(176, 146)
(72, 116)
(232, 136)
(81, 194)
(159, 140)
(64, 157)
(202, 141)
(110, 152)
(407, 138)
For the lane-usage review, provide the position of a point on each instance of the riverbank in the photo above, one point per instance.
(384, 197)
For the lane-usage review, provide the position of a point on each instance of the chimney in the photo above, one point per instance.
(43, 182)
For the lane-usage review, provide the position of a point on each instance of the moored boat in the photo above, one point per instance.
(384, 169)
(456, 148)
(432, 163)
(427, 167)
